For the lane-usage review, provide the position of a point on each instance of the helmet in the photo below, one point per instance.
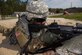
(36, 9)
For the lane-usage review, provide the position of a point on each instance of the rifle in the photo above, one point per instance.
(64, 33)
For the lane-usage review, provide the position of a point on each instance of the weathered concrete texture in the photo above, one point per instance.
(71, 46)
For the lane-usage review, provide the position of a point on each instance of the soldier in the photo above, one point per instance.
(28, 26)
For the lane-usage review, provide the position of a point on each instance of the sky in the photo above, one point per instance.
(63, 3)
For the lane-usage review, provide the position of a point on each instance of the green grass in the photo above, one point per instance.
(76, 16)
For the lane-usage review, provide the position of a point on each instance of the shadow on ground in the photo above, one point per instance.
(5, 44)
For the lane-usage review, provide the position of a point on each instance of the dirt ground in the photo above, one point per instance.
(8, 23)
(6, 49)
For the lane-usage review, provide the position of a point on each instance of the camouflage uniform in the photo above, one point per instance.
(35, 9)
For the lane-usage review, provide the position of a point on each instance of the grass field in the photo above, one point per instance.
(76, 16)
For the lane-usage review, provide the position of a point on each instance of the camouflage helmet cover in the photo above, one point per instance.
(37, 8)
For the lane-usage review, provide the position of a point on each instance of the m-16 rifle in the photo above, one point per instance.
(55, 35)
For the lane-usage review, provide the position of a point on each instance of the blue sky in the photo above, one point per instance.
(63, 3)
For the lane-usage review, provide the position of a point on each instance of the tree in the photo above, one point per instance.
(8, 7)
(2, 8)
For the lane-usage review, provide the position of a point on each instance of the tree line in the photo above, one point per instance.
(56, 10)
(8, 7)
